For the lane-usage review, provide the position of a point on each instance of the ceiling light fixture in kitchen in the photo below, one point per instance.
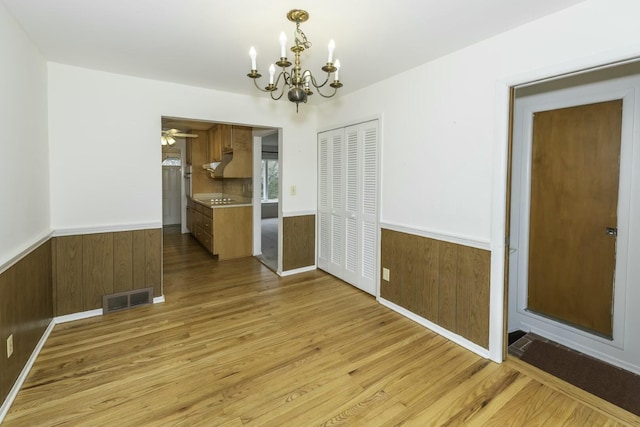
(168, 137)
(299, 82)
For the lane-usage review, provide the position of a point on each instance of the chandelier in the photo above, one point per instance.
(299, 82)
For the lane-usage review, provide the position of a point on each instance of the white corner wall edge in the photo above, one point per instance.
(463, 342)
(297, 271)
(26, 250)
(4, 409)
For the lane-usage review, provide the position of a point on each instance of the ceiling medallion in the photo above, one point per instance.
(299, 82)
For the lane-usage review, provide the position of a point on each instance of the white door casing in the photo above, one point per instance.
(618, 351)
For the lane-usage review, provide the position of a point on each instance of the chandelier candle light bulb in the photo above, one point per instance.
(283, 45)
(332, 48)
(252, 55)
(299, 82)
(272, 72)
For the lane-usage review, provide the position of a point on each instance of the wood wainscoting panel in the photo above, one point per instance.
(97, 268)
(298, 242)
(152, 261)
(428, 256)
(445, 283)
(87, 267)
(122, 261)
(68, 279)
(26, 310)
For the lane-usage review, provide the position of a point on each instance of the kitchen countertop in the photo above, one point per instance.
(213, 200)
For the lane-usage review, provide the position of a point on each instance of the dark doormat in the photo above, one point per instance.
(613, 384)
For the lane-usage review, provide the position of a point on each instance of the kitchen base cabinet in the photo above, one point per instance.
(225, 231)
(233, 232)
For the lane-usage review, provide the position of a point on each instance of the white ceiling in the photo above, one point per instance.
(206, 42)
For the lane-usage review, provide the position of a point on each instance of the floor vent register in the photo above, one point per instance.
(124, 300)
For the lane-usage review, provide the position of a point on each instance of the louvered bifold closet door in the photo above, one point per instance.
(324, 205)
(368, 216)
(336, 199)
(352, 201)
(348, 203)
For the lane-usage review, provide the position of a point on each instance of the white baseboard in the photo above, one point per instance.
(77, 316)
(297, 271)
(480, 351)
(4, 409)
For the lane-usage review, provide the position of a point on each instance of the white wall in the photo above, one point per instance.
(105, 148)
(444, 123)
(24, 174)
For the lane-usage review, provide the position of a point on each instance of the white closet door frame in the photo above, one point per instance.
(348, 204)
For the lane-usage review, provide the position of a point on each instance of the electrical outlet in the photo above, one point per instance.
(385, 274)
(9, 346)
(294, 190)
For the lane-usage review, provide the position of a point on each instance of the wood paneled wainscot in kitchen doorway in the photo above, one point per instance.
(86, 267)
(298, 242)
(445, 283)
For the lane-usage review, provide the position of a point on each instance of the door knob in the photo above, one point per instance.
(611, 231)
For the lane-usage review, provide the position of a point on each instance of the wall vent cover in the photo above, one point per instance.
(125, 300)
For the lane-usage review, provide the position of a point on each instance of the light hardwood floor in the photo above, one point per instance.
(235, 345)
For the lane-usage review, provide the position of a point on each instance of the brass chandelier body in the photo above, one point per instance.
(299, 82)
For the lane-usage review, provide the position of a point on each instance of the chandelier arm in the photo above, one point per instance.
(314, 81)
(282, 75)
(275, 98)
(255, 81)
(335, 90)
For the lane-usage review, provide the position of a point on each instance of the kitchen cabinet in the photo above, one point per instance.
(190, 208)
(215, 144)
(204, 227)
(347, 204)
(223, 231)
(200, 181)
(233, 228)
(226, 137)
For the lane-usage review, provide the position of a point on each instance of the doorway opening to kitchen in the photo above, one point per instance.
(218, 184)
(269, 196)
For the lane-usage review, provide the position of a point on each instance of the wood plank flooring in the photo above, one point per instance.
(235, 345)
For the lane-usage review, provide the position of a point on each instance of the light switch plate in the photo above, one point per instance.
(385, 274)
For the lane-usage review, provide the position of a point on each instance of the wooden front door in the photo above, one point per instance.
(575, 171)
